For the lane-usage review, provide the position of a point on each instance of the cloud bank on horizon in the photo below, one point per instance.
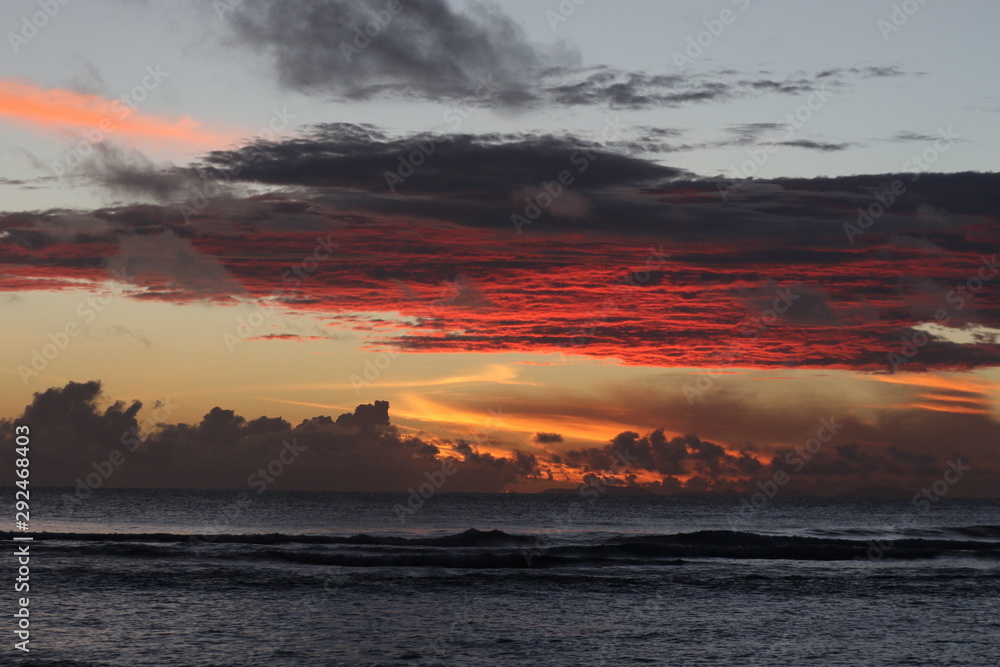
(83, 445)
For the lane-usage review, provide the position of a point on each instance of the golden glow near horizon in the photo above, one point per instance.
(133, 346)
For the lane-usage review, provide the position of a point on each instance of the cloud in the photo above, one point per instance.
(682, 455)
(767, 415)
(798, 304)
(342, 155)
(131, 173)
(619, 89)
(427, 48)
(688, 463)
(73, 436)
(906, 135)
(871, 72)
(633, 260)
(763, 134)
(75, 429)
(58, 110)
(635, 90)
(817, 145)
(568, 205)
(70, 430)
(87, 78)
(166, 260)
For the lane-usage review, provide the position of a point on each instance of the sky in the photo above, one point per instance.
(681, 247)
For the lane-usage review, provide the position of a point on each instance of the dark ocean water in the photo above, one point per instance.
(283, 578)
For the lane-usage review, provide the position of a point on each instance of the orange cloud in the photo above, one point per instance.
(955, 409)
(960, 383)
(99, 118)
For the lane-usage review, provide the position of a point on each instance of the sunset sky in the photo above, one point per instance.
(696, 232)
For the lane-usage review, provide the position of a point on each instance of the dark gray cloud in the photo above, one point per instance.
(744, 134)
(655, 452)
(363, 173)
(340, 155)
(70, 430)
(165, 257)
(914, 136)
(619, 89)
(74, 435)
(130, 173)
(357, 451)
(360, 50)
(634, 90)
(817, 145)
(427, 49)
(849, 467)
(879, 72)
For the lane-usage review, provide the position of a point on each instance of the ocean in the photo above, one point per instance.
(198, 578)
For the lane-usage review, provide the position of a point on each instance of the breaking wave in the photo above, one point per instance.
(497, 549)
